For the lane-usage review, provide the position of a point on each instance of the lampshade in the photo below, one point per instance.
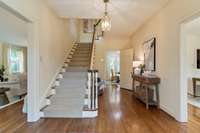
(106, 23)
(137, 63)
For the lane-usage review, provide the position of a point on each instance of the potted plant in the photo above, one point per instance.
(2, 74)
(142, 68)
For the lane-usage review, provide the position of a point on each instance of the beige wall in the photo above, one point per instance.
(102, 47)
(84, 37)
(165, 26)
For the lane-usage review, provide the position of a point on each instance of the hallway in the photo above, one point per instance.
(119, 113)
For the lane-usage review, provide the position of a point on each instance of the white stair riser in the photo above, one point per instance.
(53, 91)
(60, 76)
(57, 83)
(86, 101)
(66, 65)
(63, 70)
(89, 114)
(68, 60)
(48, 101)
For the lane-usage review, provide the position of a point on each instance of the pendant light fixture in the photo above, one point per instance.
(106, 21)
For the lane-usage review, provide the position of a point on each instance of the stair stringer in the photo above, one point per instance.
(50, 90)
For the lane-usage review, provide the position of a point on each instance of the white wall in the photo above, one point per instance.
(103, 47)
(165, 26)
(84, 37)
(12, 29)
(50, 40)
(193, 43)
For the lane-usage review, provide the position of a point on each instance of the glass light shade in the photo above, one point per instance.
(106, 23)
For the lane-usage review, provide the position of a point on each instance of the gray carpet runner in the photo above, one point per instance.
(69, 99)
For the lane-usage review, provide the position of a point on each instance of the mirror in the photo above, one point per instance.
(150, 55)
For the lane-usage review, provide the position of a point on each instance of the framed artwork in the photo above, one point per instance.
(150, 54)
(198, 58)
(88, 25)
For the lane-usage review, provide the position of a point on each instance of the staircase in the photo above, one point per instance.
(71, 89)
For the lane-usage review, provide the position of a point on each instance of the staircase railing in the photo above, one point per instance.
(92, 89)
(93, 45)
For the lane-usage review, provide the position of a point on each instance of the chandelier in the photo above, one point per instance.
(106, 21)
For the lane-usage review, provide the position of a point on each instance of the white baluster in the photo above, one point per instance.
(89, 90)
(96, 89)
(93, 90)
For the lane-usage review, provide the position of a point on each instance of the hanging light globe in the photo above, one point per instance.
(106, 21)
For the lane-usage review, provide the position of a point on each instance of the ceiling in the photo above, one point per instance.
(126, 15)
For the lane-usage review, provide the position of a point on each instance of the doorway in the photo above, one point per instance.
(126, 68)
(113, 66)
(190, 73)
(13, 74)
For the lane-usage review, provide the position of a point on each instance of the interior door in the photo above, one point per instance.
(126, 61)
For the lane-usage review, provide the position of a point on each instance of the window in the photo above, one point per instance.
(16, 60)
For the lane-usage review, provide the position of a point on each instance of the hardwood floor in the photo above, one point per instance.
(119, 113)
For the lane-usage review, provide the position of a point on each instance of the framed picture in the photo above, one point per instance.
(150, 54)
(198, 58)
(88, 25)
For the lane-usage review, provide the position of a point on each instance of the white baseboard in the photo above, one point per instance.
(89, 114)
(41, 114)
(165, 109)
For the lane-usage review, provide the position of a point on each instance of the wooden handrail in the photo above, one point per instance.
(93, 39)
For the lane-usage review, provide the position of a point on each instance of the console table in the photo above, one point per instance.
(195, 80)
(3, 97)
(142, 92)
